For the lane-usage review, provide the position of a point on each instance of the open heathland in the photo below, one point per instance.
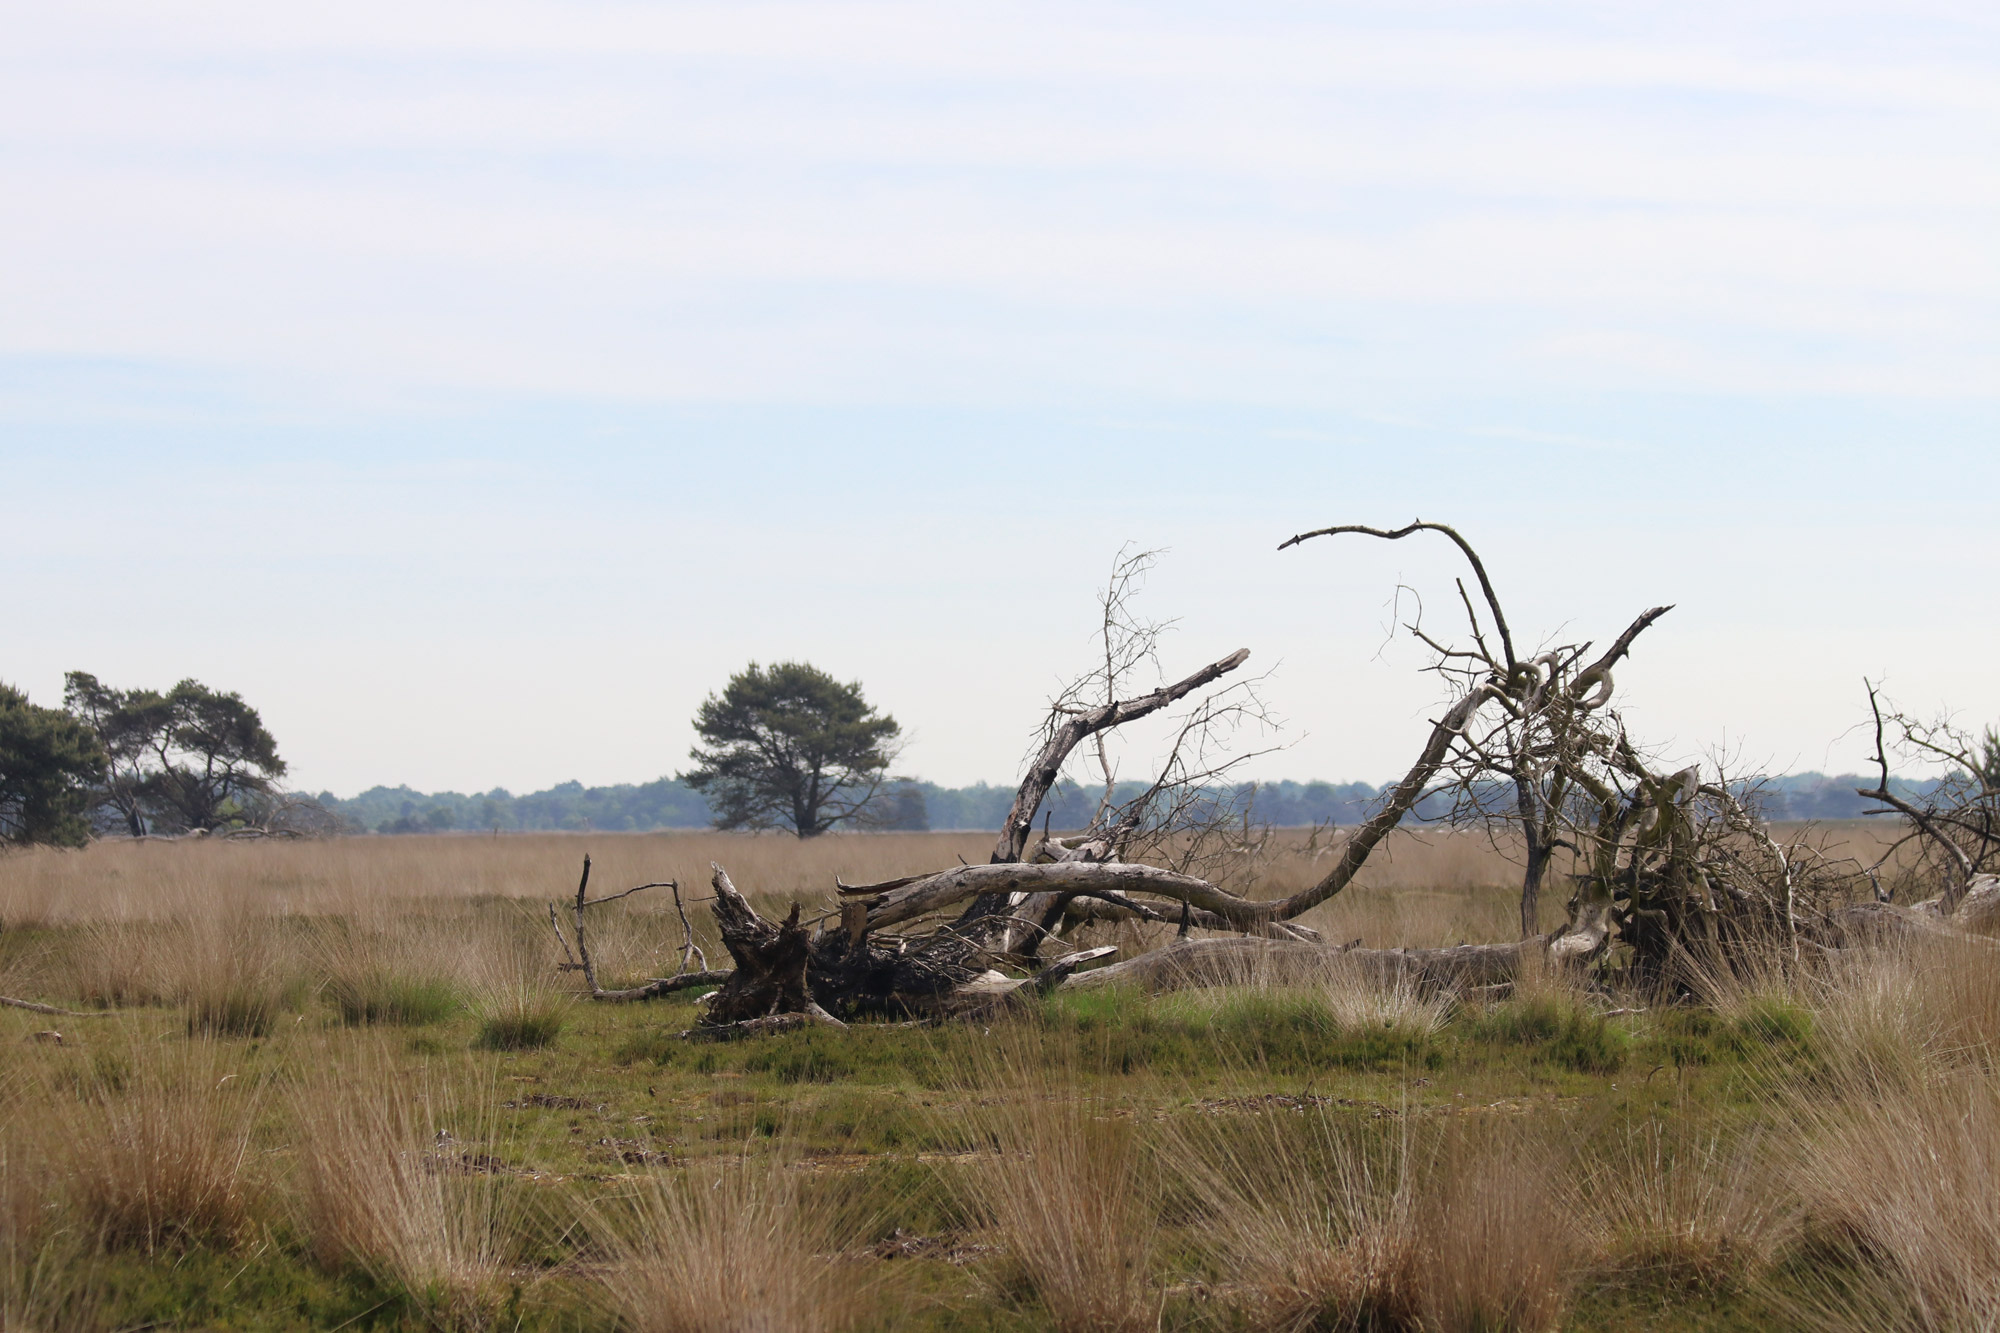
(345, 1083)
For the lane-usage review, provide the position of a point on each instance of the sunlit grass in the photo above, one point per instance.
(348, 1085)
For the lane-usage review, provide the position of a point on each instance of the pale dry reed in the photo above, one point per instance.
(120, 879)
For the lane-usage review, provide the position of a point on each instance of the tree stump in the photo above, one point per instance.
(770, 975)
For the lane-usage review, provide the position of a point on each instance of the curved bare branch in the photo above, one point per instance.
(1472, 556)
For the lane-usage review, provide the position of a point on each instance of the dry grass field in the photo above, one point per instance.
(341, 1085)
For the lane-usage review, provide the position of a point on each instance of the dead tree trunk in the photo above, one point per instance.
(770, 975)
(1008, 923)
(1190, 963)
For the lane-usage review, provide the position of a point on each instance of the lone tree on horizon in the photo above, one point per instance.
(789, 747)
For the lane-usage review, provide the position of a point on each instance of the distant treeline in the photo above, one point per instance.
(915, 806)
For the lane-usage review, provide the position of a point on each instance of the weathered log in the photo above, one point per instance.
(923, 896)
(1193, 963)
(1978, 910)
(1062, 969)
(1875, 924)
(34, 1008)
(659, 986)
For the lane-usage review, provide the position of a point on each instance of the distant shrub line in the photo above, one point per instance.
(669, 803)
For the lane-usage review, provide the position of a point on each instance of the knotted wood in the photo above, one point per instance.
(770, 975)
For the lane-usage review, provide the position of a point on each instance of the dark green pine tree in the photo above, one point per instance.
(49, 763)
(789, 747)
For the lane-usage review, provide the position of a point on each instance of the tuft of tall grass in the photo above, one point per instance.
(154, 1156)
(1309, 1215)
(386, 997)
(1552, 1026)
(402, 976)
(1497, 1252)
(1903, 1014)
(733, 1246)
(1677, 1204)
(1896, 1151)
(520, 1018)
(115, 965)
(233, 977)
(1071, 1192)
(1328, 1222)
(514, 993)
(45, 1265)
(1358, 1001)
(400, 1179)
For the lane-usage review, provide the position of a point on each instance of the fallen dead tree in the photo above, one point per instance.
(1671, 869)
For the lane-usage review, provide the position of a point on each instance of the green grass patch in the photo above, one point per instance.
(1552, 1030)
(401, 1000)
(524, 1029)
(1292, 1032)
(236, 1012)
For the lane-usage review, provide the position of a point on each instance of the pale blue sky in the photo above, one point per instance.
(476, 386)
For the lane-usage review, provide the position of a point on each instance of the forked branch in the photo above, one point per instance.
(1064, 737)
(581, 961)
